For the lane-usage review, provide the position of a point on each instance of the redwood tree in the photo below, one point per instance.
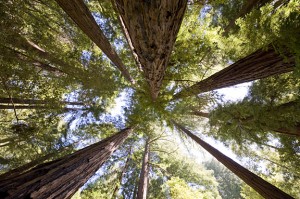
(264, 188)
(143, 183)
(61, 178)
(260, 64)
(81, 15)
(151, 28)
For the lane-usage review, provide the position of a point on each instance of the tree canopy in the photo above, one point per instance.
(73, 73)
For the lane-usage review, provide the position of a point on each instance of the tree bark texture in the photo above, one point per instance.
(143, 183)
(61, 178)
(19, 170)
(258, 65)
(80, 14)
(151, 28)
(264, 188)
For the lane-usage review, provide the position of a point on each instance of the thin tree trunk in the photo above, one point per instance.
(61, 178)
(121, 176)
(36, 50)
(258, 65)
(200, 113)
(81, 15)
(35, 62)
(19, 170)
(35, 101)
(143, 183)
(264, 188)
(151, 28)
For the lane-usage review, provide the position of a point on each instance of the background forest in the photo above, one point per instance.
(67, 83)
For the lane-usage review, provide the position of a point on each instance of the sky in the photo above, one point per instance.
(233, 93)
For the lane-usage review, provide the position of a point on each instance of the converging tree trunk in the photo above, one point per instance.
(143, 183)
(121, 176)
(61, 178)
(19, 170)
(258, 65)
(264, 188)
(151, 28)
(81, 15)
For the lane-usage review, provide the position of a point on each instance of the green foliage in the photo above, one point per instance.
(45, 56)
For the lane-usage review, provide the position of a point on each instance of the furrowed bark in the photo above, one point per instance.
(61, 178)
(258, 65)
(80, 14)
(143, 183)
(19, 170)
(264, 188)
(151, 28)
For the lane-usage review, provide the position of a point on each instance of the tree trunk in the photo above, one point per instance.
(264, 188)
(200, 113)
(258, 65)
(39, 52)
(19, 170)
(35, 101)
(61, 178)
(151, 28)
(143, 183)
(121, 176)
(81, 15)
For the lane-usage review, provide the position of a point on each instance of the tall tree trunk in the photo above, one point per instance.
(19, 170)
(258, 65)
(143, 183)
(121, 175)
(35, 101)
(264, 188)
(81, 15)
(34, 49)
(61, 178)
(151, 28)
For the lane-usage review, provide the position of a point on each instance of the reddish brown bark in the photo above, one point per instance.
(63, 177)
(81, 15)
(151, 28)
(258, 65)
(36, 50)
(264, 188)
(143, 183)
(19, 170)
